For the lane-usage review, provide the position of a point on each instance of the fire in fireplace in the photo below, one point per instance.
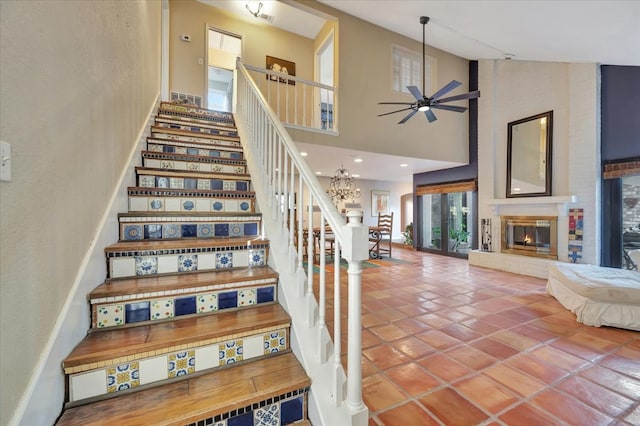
(530, 236)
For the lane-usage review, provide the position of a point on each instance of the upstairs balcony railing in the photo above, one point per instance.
(296, 102)
(307, 233)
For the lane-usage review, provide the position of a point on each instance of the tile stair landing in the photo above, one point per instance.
(187, 329)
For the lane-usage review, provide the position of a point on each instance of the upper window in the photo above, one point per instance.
(407, 70)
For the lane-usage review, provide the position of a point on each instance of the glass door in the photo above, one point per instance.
(459, 235)
(446, 223)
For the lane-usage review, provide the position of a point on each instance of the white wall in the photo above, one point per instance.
(396, 190)
(77, 84)
(516, 89)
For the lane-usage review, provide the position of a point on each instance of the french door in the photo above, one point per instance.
(447, 223)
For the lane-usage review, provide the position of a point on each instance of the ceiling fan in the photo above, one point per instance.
(436, 101)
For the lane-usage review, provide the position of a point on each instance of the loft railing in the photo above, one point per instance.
(296, 102)
(301, 224)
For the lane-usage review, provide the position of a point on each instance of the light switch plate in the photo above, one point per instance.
(5, 162)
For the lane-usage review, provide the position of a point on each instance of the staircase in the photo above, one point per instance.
(187, 328)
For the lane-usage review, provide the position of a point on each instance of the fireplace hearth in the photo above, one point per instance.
(530, 236)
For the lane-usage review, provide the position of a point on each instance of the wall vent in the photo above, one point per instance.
(191, 99)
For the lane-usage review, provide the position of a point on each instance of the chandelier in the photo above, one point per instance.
(342, 186)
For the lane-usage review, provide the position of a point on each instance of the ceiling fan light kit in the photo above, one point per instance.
(428, 104)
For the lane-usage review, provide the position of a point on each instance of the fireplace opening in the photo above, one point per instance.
(530, 235)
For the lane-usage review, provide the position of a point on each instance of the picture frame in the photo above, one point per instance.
(379, 202)
(282, 66)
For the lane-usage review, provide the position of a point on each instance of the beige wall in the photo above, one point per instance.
(363, 78)
(78, 80)
(258, 40)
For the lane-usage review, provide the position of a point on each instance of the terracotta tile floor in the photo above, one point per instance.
(445, 343)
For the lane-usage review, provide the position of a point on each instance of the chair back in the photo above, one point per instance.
(385, 221)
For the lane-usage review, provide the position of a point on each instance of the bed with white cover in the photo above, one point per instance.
(599, 296)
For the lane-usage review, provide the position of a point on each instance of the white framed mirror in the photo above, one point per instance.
(529, 156)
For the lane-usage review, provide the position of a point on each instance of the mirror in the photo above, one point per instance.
(529, 156)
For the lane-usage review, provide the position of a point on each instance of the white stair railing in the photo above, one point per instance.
(301, 223)
(296, 102)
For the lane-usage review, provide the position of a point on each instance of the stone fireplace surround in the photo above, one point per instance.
(526, 206)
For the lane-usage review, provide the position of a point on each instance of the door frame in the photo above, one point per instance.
(205, 97)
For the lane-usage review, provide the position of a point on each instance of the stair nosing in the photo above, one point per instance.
(201, 192)
(202, 388)
(156, 129)
(198, 158)
(211, 125)
(173, 282)
(230, 148)
(148, 344)
(184, 242)
(188, 215)
(207, 175)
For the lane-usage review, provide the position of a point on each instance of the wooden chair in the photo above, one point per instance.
(385, 225)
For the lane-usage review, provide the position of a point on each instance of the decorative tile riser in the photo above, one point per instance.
(156, 145)
(195, 112)
(171, 121)
(190, 203)
(170, 180)
(193, 120)
(280, 410)
(194, 166)
(154, 229)
(118, 311)
(117, 375)
(195, 139)
(197, 129)
(154, 262)
(187, 133)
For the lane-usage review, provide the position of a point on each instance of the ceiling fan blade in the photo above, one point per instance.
(450, 108)
(411, 114)
(415, 92)
(393, 112)
(430, 116)
(446, 89)
(470, 95)
(396, 103)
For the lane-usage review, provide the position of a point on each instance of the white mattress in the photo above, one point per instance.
(597, 295)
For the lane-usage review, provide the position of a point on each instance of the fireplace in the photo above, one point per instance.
(530, 236)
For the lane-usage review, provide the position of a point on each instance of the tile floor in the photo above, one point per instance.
(445, 343)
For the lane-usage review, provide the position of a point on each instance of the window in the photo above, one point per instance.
(407, 70)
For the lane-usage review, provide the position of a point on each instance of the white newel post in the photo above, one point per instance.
(355, 251)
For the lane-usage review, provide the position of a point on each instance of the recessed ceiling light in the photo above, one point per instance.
(404, 165)
(318, 173)
(304, 154)
(355, 176)
(358, 160)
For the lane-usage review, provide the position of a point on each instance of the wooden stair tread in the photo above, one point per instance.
(203, 144)
(168, 130)
(194, 157)
(196, 398)
(208, 126)
(138, 245)
(192, 173)
(128, 286)
(188, 215)
(178, 334)
(183, 109)
(172, 192)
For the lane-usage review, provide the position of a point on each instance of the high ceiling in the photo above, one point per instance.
(605, 32)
